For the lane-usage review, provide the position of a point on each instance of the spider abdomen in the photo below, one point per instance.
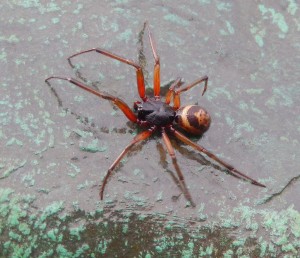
(193, 119)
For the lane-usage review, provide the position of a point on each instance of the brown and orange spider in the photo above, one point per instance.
(159, 116)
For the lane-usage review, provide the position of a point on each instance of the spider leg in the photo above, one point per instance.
(214, 157)
(139, 71)
(176, 98)
(120, 103)
(171, 90)
(156, 73)
(176, 166)
(140, 137)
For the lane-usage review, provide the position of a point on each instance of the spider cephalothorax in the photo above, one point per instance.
(155, 112)
(159, 116)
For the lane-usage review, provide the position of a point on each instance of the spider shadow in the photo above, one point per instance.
(198, 156)
(80, 76)
(163, 161)
(84, 119)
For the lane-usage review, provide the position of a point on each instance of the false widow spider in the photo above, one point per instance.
(157, 115)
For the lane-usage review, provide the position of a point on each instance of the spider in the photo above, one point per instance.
(156, 115)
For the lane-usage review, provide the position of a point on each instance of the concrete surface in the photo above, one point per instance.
(57, 141)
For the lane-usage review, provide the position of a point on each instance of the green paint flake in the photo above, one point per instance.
(280, 97)
(259, 34)
(79, 98)
(230, 30)
(74, 168)
(13, 168)
(14, 141)
(239, 242)
(63, 252)
(93, 147)
(125, 228)
(229, 120)
(52, 209)
(46, 254)
(292, 7)
(159, 196)
(43, 190)
(277, 18)
(80, 251)
(28, 180)
(254, 91)
(3, 55)
(209, 250)
(259, 40)
(243, 105)
(136, 171)
(281, 225)
(289, 248)
(4, 195)
(141, 201)
(214, 93)
(51, 165)
(221, 6)
(79, 7)
(55, 20)
(204, 1)
(51, 141)
(10, 39)
(158, 249)
(201, 215)
(51, 234)
(16, 214)
(84, 185)
(75, 232)
(102, 247)
(228, 254)
(189, 251)
(19, 61)
(22, 122)
(125, 36)
(247, 127)
(229, 27)
(2, 135)
(15, 236)
(176, 19)
(229, 223)
(51, 7)
(263, 247)
(40, 137)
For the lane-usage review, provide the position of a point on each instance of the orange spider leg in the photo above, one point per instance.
(176, 166)
(176, 99)
(140, 137)
(171, 90)
(156, 73)
(120, 103)
(139, 71)
(214, 157)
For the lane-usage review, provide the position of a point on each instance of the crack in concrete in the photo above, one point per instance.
(271, 197)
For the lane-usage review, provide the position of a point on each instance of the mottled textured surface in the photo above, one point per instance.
(57, 143)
